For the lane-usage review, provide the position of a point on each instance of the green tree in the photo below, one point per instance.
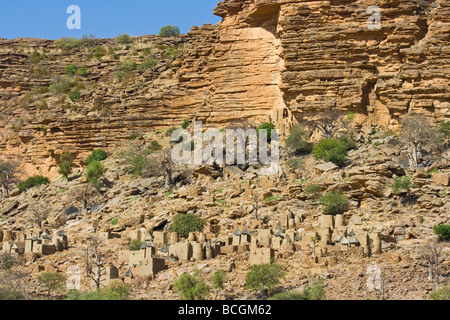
(333, 203)
(124, 39)
(184, 224)
(71, 70)
(116, 291)
(442, 294)
(218, 278)
(169, 31)
(331, 149)
(65, 165)
(52, 281)
(32, 182)
(296, 143)
(443, 231)
(75, 95)
(94, 172)
(268, 127)
(265, 277)
(403, 183)
(192, 287)
(97, 155)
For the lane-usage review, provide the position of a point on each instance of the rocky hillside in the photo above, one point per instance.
(298, 56)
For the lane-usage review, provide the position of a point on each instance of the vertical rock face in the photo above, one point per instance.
(266, 56)
(329, 56)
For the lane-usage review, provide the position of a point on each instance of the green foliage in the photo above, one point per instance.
(403, 183)
(295, 163)
(115, 221)
(52, 281)
(43, 129)
(184, 224)
(124, 39)
(135, 245)
(71, 70)
(61, 84)
(148, 64)
(218, 278)
(191, 287)
(88, 40)
(433, 171)
(128, 66)
(350, 117)
(348, 142)
(264, 277)
(94, 172)
(32, 182)
(169, 31)
(67, 44)
(296, 142)
(82, 71)
(35, 57)
(316, 292)
(96, 155)
(116, 291)
(333, 150)
(172, 52)
(154, 146)
(170, 131)
(185, 124)
(75, 95)
(442, 294)
(268, 127)
(273, 198)
(444, 127)
(313, 189)
(65, 165)
(119, 75)
(99, 52)
(333, 203)
(443, 231)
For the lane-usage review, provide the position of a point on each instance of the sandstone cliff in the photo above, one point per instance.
(265, 56)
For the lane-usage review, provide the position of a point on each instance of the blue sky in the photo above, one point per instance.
(103, 18)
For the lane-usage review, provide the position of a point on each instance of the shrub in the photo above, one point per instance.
(82, 71)
(35, 57)
(185, 124)
(71, 70)
(296, 163)
(119, 75)
(66, 163)
(75, 95)
(52, 281)
(61, 84)
(444, 127)
(169, 31)
(313, 189)
(184, 224)
(96, 155)
(88, 40)
(114, 292)
(296, 142)
(268, 127)
(442, 294)
(170, 131)
(443, 231)
(172, 52)
(124, 39)
(67, 44)
(93, 173)
(350, 117)
(348, 142)
(191, 287)
(148, 64)
(128, 66)
(32, 182)
(264, 277)
(135, 245)
(316, 292)
(332, 150)
(333, 203)
(401, 183)
(115, 221)
(217, 279)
